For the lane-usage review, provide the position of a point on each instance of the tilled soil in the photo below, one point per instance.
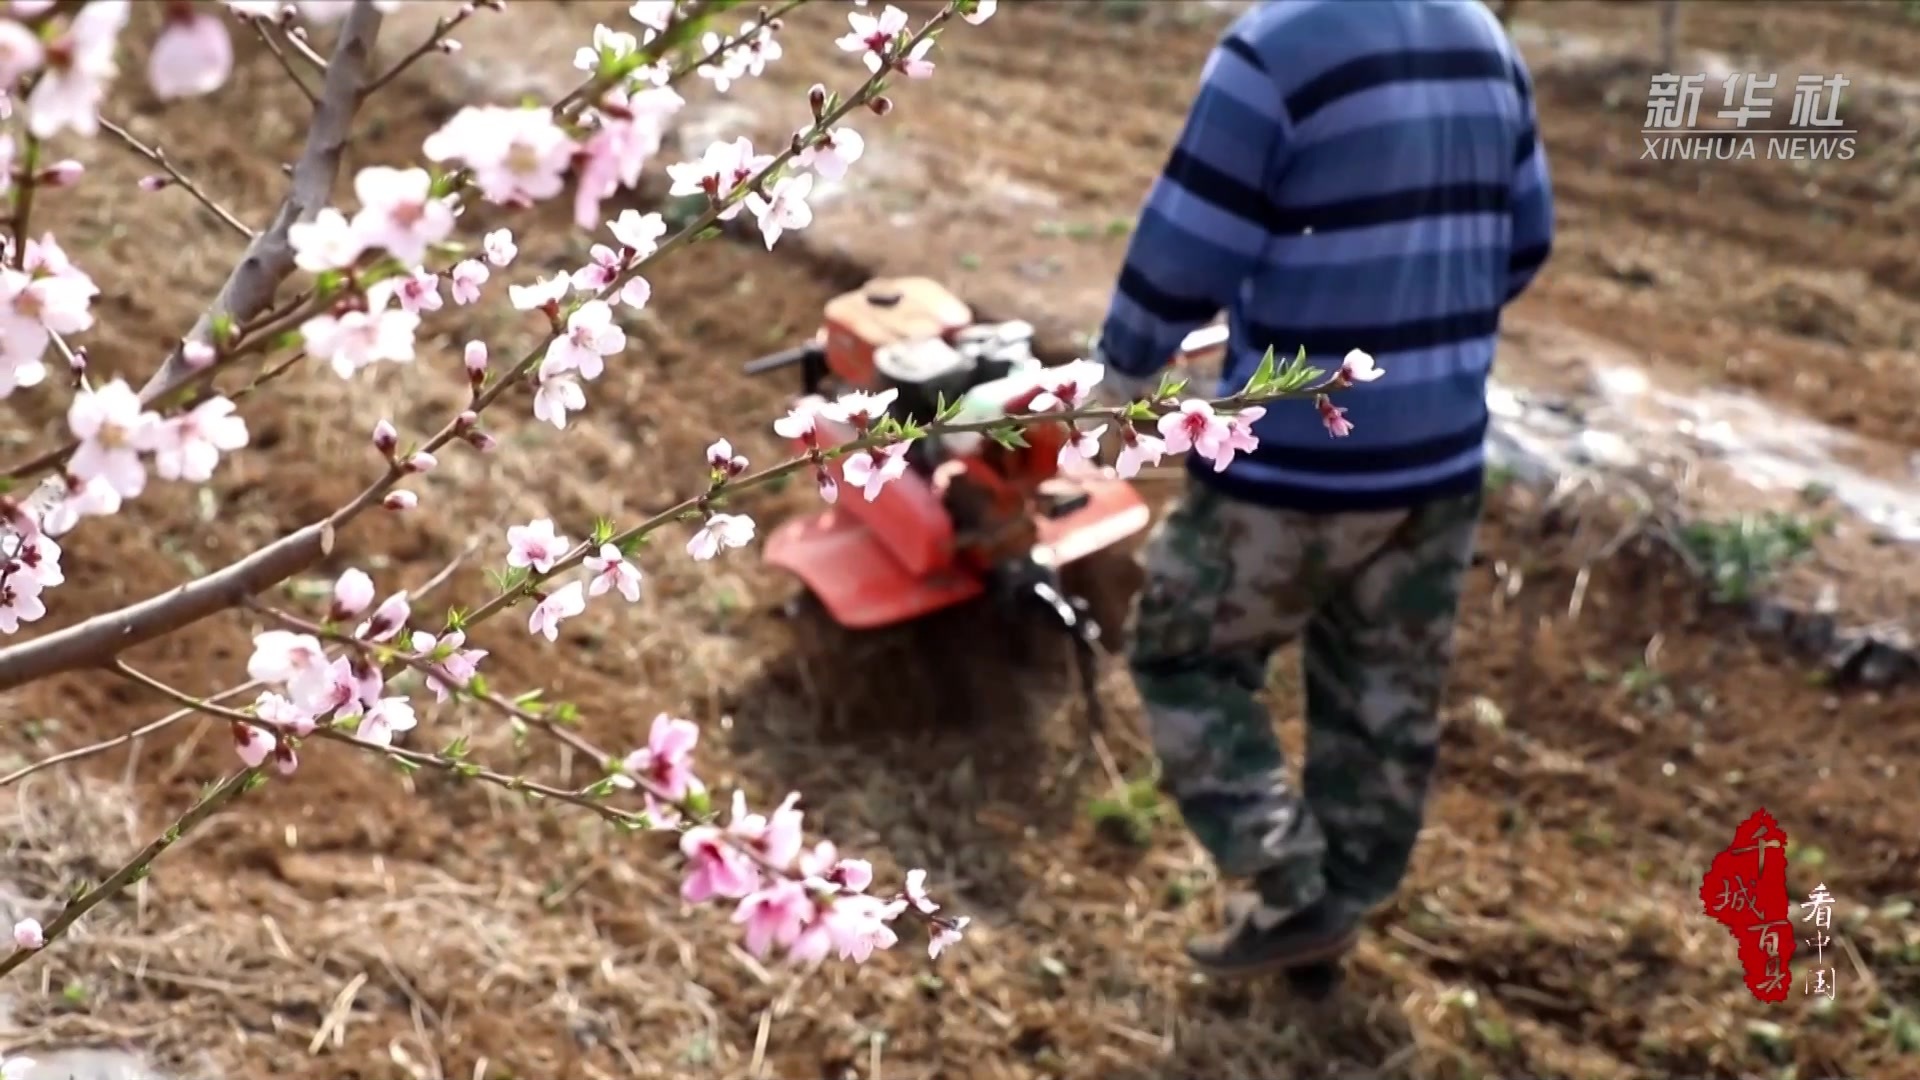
(1607, 732)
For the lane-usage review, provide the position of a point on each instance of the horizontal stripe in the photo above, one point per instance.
(1395, 428)
(1340, 467)
(1363, 73)
(1337, 188)
(1410, 102)
(1392, 207)
(1315, 500)
(1379, 340)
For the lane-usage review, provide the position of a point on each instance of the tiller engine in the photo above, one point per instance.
(970, 516)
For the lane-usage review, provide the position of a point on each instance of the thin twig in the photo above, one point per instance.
(297, 42)
(588, 799)
(249, 290)
(441, 28)
(266, 37)
(439, 578)
(751, 30)
(180, 179)
(135, 868)
(29, 166)
(110, 633)
(420, 758)
(121, 740)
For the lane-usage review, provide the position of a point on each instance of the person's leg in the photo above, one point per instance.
(1377, 656)
(1226, 585)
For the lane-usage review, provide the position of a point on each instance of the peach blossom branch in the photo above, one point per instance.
(106, 635)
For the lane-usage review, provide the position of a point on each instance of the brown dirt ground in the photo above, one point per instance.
(351, 923)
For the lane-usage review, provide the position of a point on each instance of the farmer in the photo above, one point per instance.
(1350, 176)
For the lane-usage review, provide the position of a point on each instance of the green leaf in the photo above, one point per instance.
(1009, 437)
(1262, 375)
(1170, 386)
(1297, 375)
(1295, 381)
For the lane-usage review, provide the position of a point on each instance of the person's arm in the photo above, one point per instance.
(1204, 226)
(1532, 196)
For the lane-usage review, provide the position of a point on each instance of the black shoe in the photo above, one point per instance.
(1255, 943)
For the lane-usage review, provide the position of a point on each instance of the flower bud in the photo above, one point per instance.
(698, 802)
(197, 354)
(723, 461)
(881, 105)
(476, 358)
(28, 935)
(400, 500)
(388, 619)
(62, 173)
(420, 462)
(351, 595)
(155, 183)
(481, 441)
(77, 360)
(449, 46)
(465, 421)
(385, 439)
(817, 98)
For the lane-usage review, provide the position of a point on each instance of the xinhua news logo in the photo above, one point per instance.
(1750, 129)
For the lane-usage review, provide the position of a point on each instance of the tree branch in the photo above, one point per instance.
(136, 867)
(269, 259)
(248, 291)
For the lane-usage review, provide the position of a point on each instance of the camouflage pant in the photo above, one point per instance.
(1375, 595)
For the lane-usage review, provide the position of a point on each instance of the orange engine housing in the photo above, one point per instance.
(883, 312)
(927, 542)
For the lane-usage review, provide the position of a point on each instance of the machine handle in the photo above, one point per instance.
(798, 354)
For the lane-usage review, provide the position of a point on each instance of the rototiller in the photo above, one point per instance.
(970, 517)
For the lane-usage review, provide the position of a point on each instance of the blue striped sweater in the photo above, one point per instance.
(1352, 174)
